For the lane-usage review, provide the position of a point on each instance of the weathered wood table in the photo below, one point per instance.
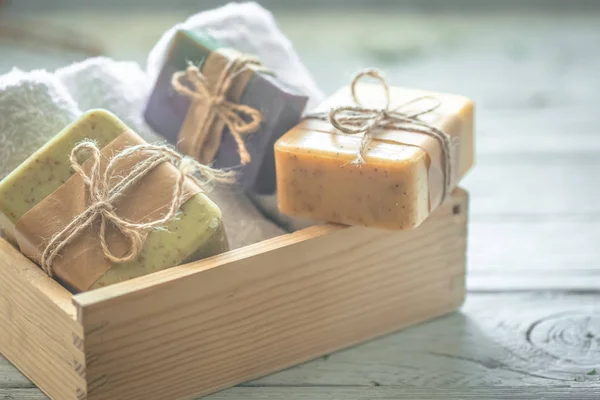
(530, 327)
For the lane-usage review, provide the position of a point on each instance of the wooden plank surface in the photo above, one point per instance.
(371, 393)
(531, 325)
(494, 347)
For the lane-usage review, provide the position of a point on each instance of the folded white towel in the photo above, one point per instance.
(251, 29)
(120, 87)
(34, 106)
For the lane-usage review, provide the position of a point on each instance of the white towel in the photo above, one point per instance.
(34, 106)
(120, 87)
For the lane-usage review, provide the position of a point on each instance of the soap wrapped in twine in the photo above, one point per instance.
(239, 118)
(104, 189)
(360, 120)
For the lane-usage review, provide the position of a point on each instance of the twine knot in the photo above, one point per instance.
(105, 188)
(239, 118)
(102, 206)
(360, 120)
(217, 101)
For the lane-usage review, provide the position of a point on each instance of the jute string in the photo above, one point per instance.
(239, 118)
(104, 189)
(360, 120)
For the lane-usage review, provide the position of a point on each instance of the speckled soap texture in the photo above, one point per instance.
(197, 233)
(316, 178)
(280, 108)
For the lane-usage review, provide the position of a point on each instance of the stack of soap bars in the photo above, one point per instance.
(42, 189)
(371, 155)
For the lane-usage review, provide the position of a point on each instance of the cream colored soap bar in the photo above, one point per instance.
(197, 233)
(394, 188)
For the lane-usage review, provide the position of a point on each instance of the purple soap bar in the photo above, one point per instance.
(280, 109)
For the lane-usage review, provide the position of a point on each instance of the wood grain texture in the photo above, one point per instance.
(21, 394)
(533, 237)
(493, 348)
(548, 254)
(373, 393)
(494, 341)
(218, 322)
(405, 393)
(39, 333)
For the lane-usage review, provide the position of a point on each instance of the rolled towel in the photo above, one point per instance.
(251, 29)
(121, 87)
(34, 106)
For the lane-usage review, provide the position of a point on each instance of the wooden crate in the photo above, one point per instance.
(208, 325)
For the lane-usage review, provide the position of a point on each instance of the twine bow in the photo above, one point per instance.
(360, 120)
(239, 118)
(104, 189)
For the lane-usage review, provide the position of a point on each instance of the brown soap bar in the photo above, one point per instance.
(398, 186)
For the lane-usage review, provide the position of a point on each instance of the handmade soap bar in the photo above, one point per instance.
(251, 29)
(196, 233)
(169, 112)
(401, 180)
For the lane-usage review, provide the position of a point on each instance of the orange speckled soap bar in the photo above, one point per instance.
(396, 188)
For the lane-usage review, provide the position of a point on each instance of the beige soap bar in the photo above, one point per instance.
(196, 233)
(395, 187)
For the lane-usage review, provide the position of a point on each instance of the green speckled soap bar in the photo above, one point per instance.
(196, 233)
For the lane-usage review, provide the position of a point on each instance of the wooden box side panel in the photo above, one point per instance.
(225, 322)
(39, 333)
